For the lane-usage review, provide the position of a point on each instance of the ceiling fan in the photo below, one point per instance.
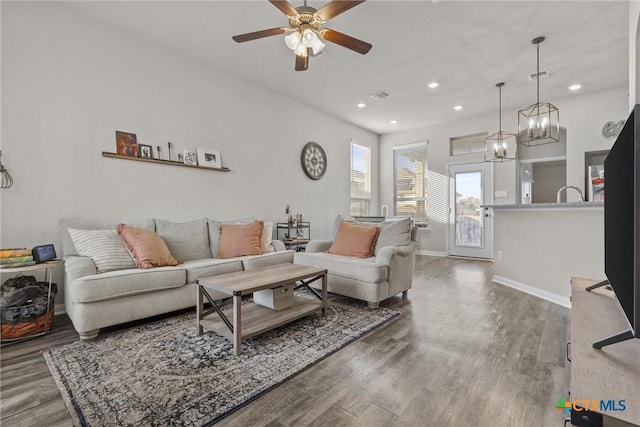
(305, 34)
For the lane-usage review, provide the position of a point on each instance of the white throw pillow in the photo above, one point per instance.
(104, 247)
(265, 239)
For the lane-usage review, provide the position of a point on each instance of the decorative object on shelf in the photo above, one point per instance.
(611, 129)
(169, 145)
(314, 160)
(179, 158)
(144, 151)
(162, 162)
(209, 158)
(189, 157)
(500, 146)
(305, 35)
(539, 123)
(159, 156)
(126, 144)
(7, 179)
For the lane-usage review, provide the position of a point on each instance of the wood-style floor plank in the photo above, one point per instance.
(464, 352)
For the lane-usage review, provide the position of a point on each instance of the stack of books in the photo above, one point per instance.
(16, 257)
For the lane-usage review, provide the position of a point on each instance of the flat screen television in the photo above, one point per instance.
(622, 225)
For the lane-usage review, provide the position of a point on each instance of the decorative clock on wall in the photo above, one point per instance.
(314, 160)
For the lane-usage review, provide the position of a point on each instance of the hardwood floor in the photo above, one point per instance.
(464, 352)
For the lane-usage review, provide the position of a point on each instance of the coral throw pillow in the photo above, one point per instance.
(240, 239)
(354, 240)
(146, 247)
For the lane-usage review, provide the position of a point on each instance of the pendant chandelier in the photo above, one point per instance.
(539, 123)
(500, 146)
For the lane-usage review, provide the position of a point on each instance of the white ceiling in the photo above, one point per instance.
(467, 46)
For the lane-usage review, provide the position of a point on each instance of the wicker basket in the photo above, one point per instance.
(22, 329)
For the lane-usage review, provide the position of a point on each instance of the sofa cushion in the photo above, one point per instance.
(123, 283)
(354, 240)
(187, 240)
(68, 248)
(146, 247)
(394, 233)
(197, 269)
(265, 238)
(104, 247)
(240, 239)
(264, 260)
(214, 232)
(363, 269)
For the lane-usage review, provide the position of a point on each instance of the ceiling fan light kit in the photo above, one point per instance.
(305, 35)
(539, 123)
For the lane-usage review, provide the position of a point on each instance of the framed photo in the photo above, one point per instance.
(144, 151)
(209, 158)
(189, 157)
(126, 144)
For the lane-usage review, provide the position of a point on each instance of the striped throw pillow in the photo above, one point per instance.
(104, 247)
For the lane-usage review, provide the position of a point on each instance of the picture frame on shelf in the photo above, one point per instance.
(145, 151)
(189, 157)
(209, 158)
(126, 144)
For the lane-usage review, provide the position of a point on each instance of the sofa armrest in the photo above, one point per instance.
(388, 253)
(78, 266)
(278, 245)
(318, 245)
(400, 261)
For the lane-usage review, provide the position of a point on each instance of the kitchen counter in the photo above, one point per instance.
(545, 206)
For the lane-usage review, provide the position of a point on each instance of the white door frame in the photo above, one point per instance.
(486, 250)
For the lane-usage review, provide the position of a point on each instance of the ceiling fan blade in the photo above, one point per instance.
(285, 7)
(335, 8)
(259, 34)
(345, 41)
(302, 62)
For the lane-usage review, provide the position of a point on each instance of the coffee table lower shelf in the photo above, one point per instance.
(257, 319)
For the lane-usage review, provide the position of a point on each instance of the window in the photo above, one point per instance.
(360, 180)
(467, 144)
(410, 181)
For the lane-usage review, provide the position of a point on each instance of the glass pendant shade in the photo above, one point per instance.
(501, 146)
(539, 123)
(292, 40)
(299, 42)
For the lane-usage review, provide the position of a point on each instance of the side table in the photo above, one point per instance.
(48, 267)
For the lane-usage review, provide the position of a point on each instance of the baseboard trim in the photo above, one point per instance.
(59, 309)
(432, 253)
(531, 290)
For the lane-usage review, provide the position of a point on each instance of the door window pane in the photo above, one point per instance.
(469, 220)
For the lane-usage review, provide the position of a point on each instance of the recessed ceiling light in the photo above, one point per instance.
(575, 87)
(393, 122)
(361, 105)
(433, 85)
(458, 107)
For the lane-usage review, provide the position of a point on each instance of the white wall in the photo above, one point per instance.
(634, 53)
(68, 83)
(582, 116)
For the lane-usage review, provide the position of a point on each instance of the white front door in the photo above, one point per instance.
(470, 225)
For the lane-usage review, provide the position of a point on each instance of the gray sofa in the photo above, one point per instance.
(96, 300)
(373, 279)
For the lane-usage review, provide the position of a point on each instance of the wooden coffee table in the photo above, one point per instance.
(252, 319)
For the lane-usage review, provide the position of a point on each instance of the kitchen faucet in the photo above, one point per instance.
(569, 186)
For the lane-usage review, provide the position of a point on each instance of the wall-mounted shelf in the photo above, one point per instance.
(162, 162)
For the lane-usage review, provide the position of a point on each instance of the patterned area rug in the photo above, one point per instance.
(162, 373)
